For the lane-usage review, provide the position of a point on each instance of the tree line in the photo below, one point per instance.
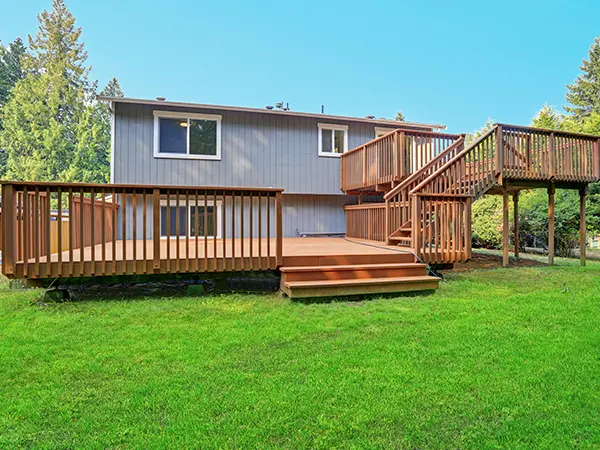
(52, 128)
(581, 114)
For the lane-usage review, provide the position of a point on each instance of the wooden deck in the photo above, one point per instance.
(293, 248)
(312, 267)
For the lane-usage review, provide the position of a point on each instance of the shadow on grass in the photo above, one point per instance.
(353, 299)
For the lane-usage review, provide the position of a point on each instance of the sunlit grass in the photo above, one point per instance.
(496, 358)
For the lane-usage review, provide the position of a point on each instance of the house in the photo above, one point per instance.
(172, 143)
(204, 189)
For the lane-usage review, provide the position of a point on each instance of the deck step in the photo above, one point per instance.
(328, 288)
(349, 272)
(392, 257)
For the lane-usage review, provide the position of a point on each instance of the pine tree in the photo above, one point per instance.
(41, 117)
(584, 94)
(400, 117)
(91, 162)
(11, 70)
(548, 117)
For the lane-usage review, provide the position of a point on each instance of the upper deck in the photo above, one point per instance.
(526, 154)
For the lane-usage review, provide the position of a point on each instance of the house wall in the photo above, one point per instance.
(257, 150)
(300, 214)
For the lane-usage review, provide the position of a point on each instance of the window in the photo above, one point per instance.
(180, 135)
(333, 139)
(188, 220)
(380, 131)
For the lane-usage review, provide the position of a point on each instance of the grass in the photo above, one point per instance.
(498, 358)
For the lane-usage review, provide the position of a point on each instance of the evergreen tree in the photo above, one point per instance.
(584, 94)
(91, 162)
(548, 117)
(41, 117)
(400, 117)
(11, 70)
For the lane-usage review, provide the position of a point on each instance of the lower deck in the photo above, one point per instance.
(132, 257)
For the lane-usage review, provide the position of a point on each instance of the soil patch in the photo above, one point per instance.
(487, 261)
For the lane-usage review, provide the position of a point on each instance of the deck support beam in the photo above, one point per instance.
(582, 227)
(505, 228)
(551, 224)
(516, 219)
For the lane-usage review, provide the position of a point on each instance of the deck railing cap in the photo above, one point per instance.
(57, 184)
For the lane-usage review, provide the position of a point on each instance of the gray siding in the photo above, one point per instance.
(301, 214)
(256, 151)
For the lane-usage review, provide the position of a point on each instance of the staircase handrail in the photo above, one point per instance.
(426, 167)
(456, 158)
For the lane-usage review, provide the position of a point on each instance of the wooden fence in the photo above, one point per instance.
(133, 229)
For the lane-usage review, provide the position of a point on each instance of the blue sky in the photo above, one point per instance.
(455, 63)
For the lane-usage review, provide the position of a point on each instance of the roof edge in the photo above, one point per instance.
(395, 123)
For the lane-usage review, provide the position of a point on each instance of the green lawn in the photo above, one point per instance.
(499, 358)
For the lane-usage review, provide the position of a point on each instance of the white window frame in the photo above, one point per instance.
(380, 131)
(331, 127)
(185, 116)
(173, 204)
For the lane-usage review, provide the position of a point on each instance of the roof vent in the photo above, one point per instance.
(269, 107)
(370, 117)
(161, 99)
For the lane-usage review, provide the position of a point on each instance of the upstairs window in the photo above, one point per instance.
(194, 136)
(333, 139)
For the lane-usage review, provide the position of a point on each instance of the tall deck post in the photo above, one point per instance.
(8, 229)
(596, 162)
(505, 228)
(552, 157)
(582, 227)
(468, 228)
(551, 224)
(499, 150)
(387, 223)
(156, 229)
(516, 219)
(278, 229)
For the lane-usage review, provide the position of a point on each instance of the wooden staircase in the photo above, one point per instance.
(436, 219)
(344, 275)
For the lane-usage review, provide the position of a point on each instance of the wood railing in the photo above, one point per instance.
(538, 154)
(390, 158)
(366, 221)
(398, 200)
(134, 229)
(442, 227)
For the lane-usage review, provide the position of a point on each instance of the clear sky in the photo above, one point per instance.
(439, 61)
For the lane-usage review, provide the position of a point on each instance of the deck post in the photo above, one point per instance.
(388, 223)
(8, 229)
(468, 228)
(499, 150)
(278, 229)
(551, 224)
(552, 158)
(505, 228)
(596, 162)
(582, 227)
(156, 229)
(516, 219)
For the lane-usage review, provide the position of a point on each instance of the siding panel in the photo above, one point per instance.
(257, 151)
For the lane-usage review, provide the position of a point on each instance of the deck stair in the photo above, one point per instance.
(354, 275)
(430, 211)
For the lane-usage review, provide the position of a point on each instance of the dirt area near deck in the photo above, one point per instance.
(488, 261)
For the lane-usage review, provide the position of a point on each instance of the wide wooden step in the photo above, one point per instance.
(328, 288)
(392, 257)
(350, 272)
